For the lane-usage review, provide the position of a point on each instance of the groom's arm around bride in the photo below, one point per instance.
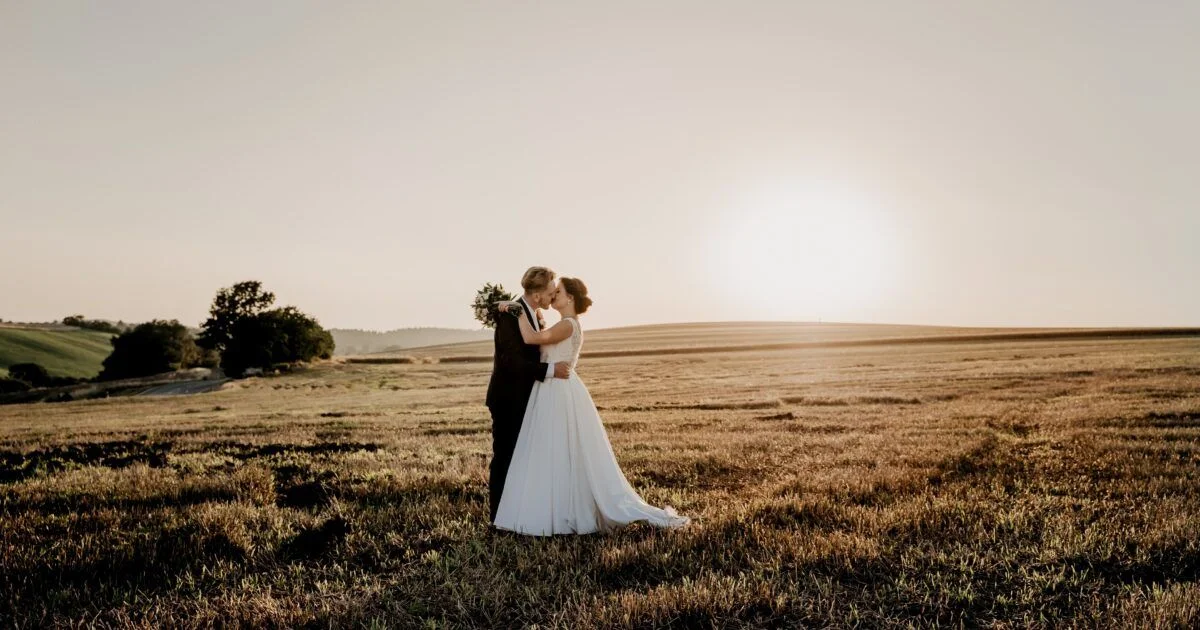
(513, 357)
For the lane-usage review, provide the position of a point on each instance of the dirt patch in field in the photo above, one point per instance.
(456, 431)
(1189, 419)
(242, 451)
(845, 401)
(704, 472)
(15, 465)
(706, 406)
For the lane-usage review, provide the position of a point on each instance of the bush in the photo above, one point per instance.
(12, 385)
(31, 373)
(151, 348)
(34, 375)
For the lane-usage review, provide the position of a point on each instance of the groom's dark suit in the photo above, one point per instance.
(514, 369)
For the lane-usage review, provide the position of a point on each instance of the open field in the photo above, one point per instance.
(70, 352)
(1021, 483)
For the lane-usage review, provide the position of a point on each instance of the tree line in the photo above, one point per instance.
(242, 332)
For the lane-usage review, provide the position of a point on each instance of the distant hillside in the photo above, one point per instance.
(350, 342)
(709, 334)
(62, 351)
(728, 336)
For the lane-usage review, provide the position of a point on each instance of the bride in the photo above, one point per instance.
(564, 478)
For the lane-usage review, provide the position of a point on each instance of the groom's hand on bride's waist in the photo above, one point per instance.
(562, 370)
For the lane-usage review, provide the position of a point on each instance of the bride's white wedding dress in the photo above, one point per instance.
(564, 478)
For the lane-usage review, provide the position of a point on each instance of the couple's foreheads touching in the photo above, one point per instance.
(544, 289)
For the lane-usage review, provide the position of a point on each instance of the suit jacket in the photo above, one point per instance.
(515, 366)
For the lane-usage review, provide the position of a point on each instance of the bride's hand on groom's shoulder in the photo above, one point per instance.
(507, 306)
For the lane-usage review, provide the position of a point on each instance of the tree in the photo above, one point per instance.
(280, 335)
(31, 373)
(246, 334)
(306, 339)
(151, 348)
(232, 305)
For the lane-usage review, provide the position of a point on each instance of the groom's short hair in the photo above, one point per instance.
(537, 279)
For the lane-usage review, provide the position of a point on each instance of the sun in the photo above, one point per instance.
(805, 252)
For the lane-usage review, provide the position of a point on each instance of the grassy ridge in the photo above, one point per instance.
(76, 353)
(704, 338)
(706, 335)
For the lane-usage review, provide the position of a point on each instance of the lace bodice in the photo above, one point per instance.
(567, 350)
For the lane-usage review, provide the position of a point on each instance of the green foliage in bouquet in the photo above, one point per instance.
(485, 303)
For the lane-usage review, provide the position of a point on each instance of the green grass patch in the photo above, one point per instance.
(77, 353)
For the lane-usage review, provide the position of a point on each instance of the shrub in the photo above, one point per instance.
(12, 385)
(150, 348)
(31, 373)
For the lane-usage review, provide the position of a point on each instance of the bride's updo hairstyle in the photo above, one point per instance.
(578, 290)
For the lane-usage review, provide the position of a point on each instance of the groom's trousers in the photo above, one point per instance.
(506, 426)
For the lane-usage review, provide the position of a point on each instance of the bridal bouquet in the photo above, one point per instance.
(486, 299)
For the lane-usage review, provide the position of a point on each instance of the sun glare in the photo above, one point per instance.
(805, 252)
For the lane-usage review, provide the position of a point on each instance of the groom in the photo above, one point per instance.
(515, 367)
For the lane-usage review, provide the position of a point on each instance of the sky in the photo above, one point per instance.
(1022, 163)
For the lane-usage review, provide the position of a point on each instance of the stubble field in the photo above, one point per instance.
(1003, 484)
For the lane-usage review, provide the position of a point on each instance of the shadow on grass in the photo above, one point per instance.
(83, 503)
(16, 466)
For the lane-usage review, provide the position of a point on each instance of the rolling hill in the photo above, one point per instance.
(63, 352)
(351, 342)
(725, 336)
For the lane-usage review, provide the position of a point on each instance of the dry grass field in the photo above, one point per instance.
(997, 484)
(701, 336)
